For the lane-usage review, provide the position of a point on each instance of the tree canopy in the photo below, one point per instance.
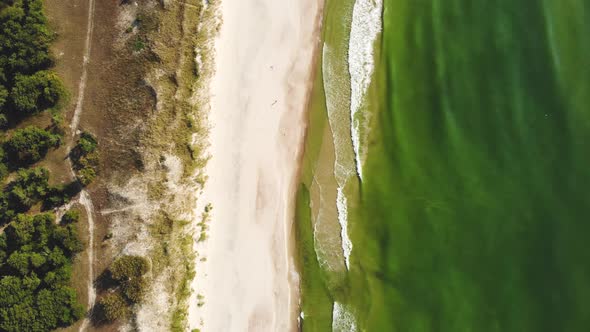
(30, 145)
(36, 253)
(35, 93)
(35, 264)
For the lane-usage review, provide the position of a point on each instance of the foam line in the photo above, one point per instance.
(366, 25)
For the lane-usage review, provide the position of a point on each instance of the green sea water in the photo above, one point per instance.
(474, 209)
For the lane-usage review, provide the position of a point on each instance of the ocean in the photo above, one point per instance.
(446, 164)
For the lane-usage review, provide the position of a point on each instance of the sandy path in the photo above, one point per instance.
(84, 198)
(259, 95)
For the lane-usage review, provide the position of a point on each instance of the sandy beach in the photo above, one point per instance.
(264, 58)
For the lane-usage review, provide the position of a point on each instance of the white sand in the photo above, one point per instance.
(259, 96)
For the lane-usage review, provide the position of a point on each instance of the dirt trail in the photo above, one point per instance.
(84, 198)
(86, 201)
(82, 85)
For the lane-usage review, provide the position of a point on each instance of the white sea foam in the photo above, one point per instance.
(341, 205)
(325, 245)
(337, 118)
(342, 319)
(344, 161)
(366, 25)
(336, 104)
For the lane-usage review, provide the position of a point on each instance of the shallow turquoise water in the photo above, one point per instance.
(475, 207)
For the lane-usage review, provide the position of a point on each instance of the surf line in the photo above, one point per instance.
(366, 25)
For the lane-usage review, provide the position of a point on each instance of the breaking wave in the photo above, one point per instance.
(342, 319)
(366, 25)
(343, 220)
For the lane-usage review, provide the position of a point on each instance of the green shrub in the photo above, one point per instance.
(113, 307)
(138, 45)
(129, 272)
(86, 175)
(134, 289)
(85, 158)
(87, 143)
(128, 267)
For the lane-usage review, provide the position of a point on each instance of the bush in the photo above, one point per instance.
(30, 145)
(128, 267)
(129, 272)
(85, 158)
(134, 289)
(87, 143)
(86, 175)
(113, 307)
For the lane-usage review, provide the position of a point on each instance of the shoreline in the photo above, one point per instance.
(246, 275)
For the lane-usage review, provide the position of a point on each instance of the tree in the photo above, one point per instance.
(3, 96)
(29, 187)
(19, 261)
(3, 171)
(12, 291)
(35, 252)
(25, 38)
(19, 317)
(30, 145)
(36, 93)
(67, 238)
(58, 277)
(70, 217)
(58, 307)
